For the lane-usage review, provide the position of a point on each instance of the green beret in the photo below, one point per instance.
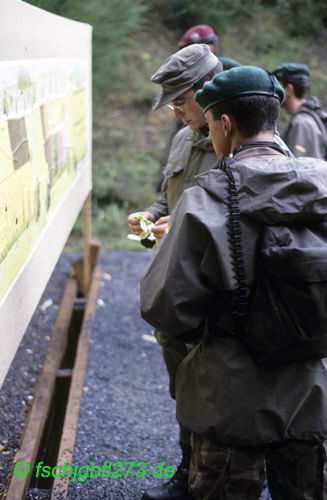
(237, 82)
(288, 72)
(228, 62)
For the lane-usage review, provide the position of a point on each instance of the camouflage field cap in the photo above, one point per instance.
(181, 71)
(241, 81)
(288, 72)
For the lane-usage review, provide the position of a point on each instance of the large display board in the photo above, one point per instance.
(45, 154)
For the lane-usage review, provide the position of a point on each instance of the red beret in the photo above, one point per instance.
(201, 33)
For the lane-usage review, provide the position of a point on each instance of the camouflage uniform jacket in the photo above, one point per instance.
(222, 394)
(303, 136)
(191, 153)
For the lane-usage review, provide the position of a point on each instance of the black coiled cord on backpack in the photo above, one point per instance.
(240, 294)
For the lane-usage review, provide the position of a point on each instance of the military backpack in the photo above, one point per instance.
(282, 316)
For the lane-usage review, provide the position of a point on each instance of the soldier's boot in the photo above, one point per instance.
(177, 487)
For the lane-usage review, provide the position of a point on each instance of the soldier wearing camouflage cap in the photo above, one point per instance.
(198, 34)
(181, 71)
(191, 153)
(244, 416)
(305, 133)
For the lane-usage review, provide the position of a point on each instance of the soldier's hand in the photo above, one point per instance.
(160, 227)
(134, 223)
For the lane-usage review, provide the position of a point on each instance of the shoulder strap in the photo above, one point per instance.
(240, 294)
(315, 115)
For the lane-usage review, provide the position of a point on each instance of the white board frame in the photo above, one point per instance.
(27, 32)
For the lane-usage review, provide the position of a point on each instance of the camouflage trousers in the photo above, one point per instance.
(294, 469)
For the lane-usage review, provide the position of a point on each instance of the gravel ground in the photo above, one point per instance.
(126, 412)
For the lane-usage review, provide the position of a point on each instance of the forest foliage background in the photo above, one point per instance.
(131, 39)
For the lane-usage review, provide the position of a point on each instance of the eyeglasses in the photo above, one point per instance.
(173, 107)
(180, 107)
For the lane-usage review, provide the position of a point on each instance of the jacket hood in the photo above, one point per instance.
(273, 189)
(201, 140)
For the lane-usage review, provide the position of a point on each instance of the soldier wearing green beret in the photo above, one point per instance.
(191, 152)
(305, 134)
(244, 416)
(229, 62)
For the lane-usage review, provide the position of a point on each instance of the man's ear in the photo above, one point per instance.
(226, 125)
(289, 89)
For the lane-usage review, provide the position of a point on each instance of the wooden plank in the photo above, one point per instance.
(67, 443)
(78, 265)
(87, 211)
(44, 391)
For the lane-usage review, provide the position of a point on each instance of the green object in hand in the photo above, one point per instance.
(146, 234)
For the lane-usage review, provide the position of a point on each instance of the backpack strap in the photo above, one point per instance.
(240, 294)
(315, 115)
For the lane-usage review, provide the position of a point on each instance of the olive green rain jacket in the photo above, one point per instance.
(191, 153)
(221, 392)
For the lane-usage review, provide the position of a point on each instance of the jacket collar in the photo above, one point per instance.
(257, 148)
